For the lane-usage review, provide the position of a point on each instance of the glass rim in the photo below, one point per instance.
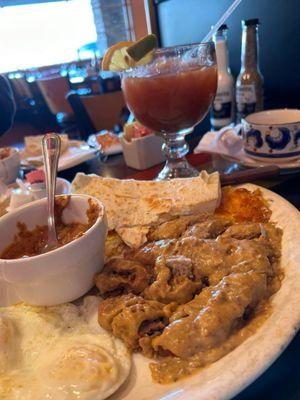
(182, 46)
(162, 50)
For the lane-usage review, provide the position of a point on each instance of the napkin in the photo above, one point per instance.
(227, 141)
(77, 153)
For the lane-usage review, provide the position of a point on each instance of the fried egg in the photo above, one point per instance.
(59, 353)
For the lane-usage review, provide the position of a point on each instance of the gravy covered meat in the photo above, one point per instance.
(196, 292)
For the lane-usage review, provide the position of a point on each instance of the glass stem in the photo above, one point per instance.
(175, 146)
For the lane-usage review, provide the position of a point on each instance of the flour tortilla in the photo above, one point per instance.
(132, 207)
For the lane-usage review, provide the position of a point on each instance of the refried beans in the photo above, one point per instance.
(28, 243)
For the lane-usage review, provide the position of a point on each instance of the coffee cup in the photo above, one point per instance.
(273, 134)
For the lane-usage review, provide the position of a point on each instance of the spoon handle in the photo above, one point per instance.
(51, 151)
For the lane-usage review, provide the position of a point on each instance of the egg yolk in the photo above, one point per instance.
(88, 364)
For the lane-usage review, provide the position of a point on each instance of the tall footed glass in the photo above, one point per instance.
(170, 96)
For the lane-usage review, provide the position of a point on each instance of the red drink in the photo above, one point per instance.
(171, 101)
(170, 95)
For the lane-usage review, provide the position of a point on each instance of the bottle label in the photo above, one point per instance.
(222, 106)
(246, 94)
(245, 100)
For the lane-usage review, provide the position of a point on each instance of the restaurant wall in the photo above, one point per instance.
(112, 21)
(187, 21)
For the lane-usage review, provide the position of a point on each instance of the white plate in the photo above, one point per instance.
(114, 149)
(77, 153)
(243, 159)
(227, 377)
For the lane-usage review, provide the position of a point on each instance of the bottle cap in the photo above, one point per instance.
(223, 27)
(250, 22)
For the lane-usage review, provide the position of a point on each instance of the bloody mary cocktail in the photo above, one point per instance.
(170, 95)
(171, 101)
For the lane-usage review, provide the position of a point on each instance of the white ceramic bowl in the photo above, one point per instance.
(38, 192)
(144, 152)
(9, 167)
(273, 135)
(58, 276)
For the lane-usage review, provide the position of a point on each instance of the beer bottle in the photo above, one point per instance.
(249, 83)
(222, 111)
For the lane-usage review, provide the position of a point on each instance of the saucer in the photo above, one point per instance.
(286, 167)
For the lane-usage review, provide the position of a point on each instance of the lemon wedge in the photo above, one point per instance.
(124, 55)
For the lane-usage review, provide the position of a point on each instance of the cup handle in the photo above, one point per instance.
(236, 144)
(222, 132)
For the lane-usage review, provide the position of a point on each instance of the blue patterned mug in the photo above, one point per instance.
(273, 134)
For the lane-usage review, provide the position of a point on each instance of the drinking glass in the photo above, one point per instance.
(172, 94)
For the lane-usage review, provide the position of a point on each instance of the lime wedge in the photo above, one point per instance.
(141, 48)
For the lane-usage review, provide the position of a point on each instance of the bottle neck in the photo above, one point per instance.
(249, 58)
(222, 56)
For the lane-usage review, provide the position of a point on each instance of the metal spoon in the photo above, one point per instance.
(51, 150)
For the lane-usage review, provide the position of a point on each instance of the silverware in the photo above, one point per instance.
(248, 175)
(51, 149)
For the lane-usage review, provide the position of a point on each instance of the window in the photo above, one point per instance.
(34, 35)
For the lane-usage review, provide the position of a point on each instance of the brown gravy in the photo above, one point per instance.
(171, 369)
(28, 243)
(187, 302)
